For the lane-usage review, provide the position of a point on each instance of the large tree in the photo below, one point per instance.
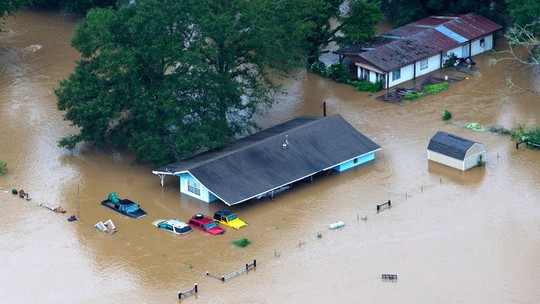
(8, 7)
(169, 78)
(524, 48)
(336, 21)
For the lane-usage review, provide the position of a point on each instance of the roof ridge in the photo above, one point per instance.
(233, 151)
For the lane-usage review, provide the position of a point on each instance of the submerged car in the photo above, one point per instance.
(124, 206)
(205, 224)
(175, 226)
(229, 218)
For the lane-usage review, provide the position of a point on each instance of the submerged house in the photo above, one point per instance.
(456, 152)
(421, 47)
(271, 160)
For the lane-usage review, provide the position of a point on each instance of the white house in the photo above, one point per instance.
(420, 47)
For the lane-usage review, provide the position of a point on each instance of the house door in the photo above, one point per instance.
(465, 51)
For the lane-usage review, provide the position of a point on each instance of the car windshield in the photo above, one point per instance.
(181, 230)
(232, 217)
(131, 208)
(210, 225)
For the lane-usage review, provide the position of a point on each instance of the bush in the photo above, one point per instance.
(435, 88)
(446, 115)
(451, 61)
(242, 242)
(366, 86)
(338, 72)
(3, 167)
(318, 67)
(526, 134)
(475, 127)
(414, 95)
(480, 161)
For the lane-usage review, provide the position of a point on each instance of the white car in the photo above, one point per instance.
(175, 226)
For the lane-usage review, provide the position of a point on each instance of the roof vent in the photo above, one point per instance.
(286, 142)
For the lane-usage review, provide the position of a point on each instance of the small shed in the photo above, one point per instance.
(456, 152)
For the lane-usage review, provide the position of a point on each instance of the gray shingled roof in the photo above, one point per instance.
(258, 163)
(450, 145)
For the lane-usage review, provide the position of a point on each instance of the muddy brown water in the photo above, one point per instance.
(450, 236)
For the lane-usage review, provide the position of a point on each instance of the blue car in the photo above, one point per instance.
(124, 206)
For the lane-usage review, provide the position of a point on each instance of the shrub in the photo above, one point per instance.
(3, 167)
(436, 87)
(524, 134)
(318, 67)
(338, 72)
(242, 242)
(475, 127)
(446, 115)
(366, 86)
(451, 61)
(480, 161)
(414, 95)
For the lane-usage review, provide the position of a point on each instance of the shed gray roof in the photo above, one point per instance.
(258, 163)
(450, 145)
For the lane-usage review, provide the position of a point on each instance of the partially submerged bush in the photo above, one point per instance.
(366, 86)
(435, 88)
(3, 167)
(526, 134)
(475, 127)
(338, 72)
(414, 95)
(242, 242)
(446, 115)
(318, 67)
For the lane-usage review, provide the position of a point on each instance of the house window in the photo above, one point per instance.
(396, 74)
(423, 64)
(194, 187)
(483, 43)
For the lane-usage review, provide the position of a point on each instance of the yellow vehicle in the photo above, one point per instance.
(229, 218)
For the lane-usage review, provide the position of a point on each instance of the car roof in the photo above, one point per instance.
(203, 220)
(224, 212)
(175, 222)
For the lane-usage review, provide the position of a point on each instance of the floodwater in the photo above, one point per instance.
(450, 236)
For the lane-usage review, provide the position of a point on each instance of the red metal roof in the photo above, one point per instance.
(422, 39)
(472, 26)
(404, 51)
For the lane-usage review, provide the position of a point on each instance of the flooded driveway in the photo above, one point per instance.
(450, 236)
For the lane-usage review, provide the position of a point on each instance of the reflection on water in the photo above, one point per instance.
(451, 236)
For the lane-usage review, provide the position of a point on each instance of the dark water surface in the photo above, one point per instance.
(452, 237)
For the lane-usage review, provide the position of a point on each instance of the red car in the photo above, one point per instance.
(205, 224)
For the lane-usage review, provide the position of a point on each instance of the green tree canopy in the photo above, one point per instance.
(336, 21)
(169, 78)
(8, 7)
(525, 12)
(406, 11)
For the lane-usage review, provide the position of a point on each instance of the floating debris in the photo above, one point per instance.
(336, 225)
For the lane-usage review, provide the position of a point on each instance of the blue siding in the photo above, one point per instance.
(355, 162)
(204, 195)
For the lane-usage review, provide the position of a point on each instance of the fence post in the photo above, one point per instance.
(195, 288)
(254, 263)
(222, 279)
(247, 267)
